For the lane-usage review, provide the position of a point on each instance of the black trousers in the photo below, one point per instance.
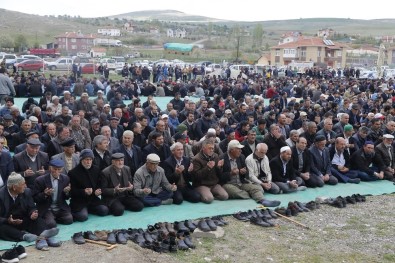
(131, 203)
(187, 194)
(16, 232)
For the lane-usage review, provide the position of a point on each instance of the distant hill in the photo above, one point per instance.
(165, 15)
(42, 29)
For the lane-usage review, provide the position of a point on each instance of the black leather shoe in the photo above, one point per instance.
(111, 239)
(252, 213)
(354, 181)
(90, 235)
(288, 212)
(240, 217)
(211, 224)
(151, 229)
(311, 205)
(272, 214)
(343, 200)
(351, 200)
(259, 222)
(78, 238)
(181, 245)
(190, 225)
(188, 240)
(359, 198)
(180, 226)
(173, 245)
(269, 203)
(203, 226)
(294, 206)
(120, 238)
(148, 237)
(302, 206)
(170, 228)
(220, 218)
(265, 214)
(281, 210)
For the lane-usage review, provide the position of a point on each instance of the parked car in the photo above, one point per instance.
(60, 64)
(30, 64)
(88, 68)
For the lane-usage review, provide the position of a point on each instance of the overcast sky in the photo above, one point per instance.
(247, 10)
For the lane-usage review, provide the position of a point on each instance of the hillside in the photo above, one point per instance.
(42, 29)
(165, 15)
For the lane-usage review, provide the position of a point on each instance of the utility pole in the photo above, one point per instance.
(237, 49)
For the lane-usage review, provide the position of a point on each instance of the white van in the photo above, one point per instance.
(235, 69)
(10, 59)
(109, 62)
(119, 61)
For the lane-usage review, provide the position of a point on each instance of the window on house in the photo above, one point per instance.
(318, 53)
(277, 53)
(303, 53)
(73, 40)
(73, 46)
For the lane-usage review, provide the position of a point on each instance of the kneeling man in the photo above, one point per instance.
(117, 188)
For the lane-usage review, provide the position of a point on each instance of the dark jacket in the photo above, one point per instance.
(24, 210)
(99, 162)
(361, 162)
(81, 178)
(42, 200)
(202, 174)
(135, 162)
(295, 161)
(346, 155)
(109, 179)
(21, 164)
(169, 165)
(226, 170)
(6, 165)
(320, 165)
(276, 166)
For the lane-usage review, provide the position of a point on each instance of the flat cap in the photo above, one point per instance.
(56, 163)
(86, 153)
(153, 158)
(68, 142)
(117, 156)
(319, 138)
(34, 142)
(30, 133)
(388, 136)
(179, 136)
(7, 117)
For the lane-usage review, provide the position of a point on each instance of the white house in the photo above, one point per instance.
(180, 33)
(97, 52)
(170, 32)
(109, 32)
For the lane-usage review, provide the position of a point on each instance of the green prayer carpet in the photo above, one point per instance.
(171, 213)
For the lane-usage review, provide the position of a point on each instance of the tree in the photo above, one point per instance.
(6, 42)
(209, 30)
(20, 43)
(257, 36)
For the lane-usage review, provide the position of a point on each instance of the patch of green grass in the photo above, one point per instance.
(389, 257)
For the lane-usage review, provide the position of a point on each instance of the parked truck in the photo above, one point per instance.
(44, 52)
(107, 42)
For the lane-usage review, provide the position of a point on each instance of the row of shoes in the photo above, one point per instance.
(341, 202)
(296, 207)
(163, 242)
(160, 237)
(263, 213)
(14, 254)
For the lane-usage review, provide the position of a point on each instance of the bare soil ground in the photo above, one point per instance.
(363, 232)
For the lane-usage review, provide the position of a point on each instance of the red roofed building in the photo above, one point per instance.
(318, 50)
(75, 42)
